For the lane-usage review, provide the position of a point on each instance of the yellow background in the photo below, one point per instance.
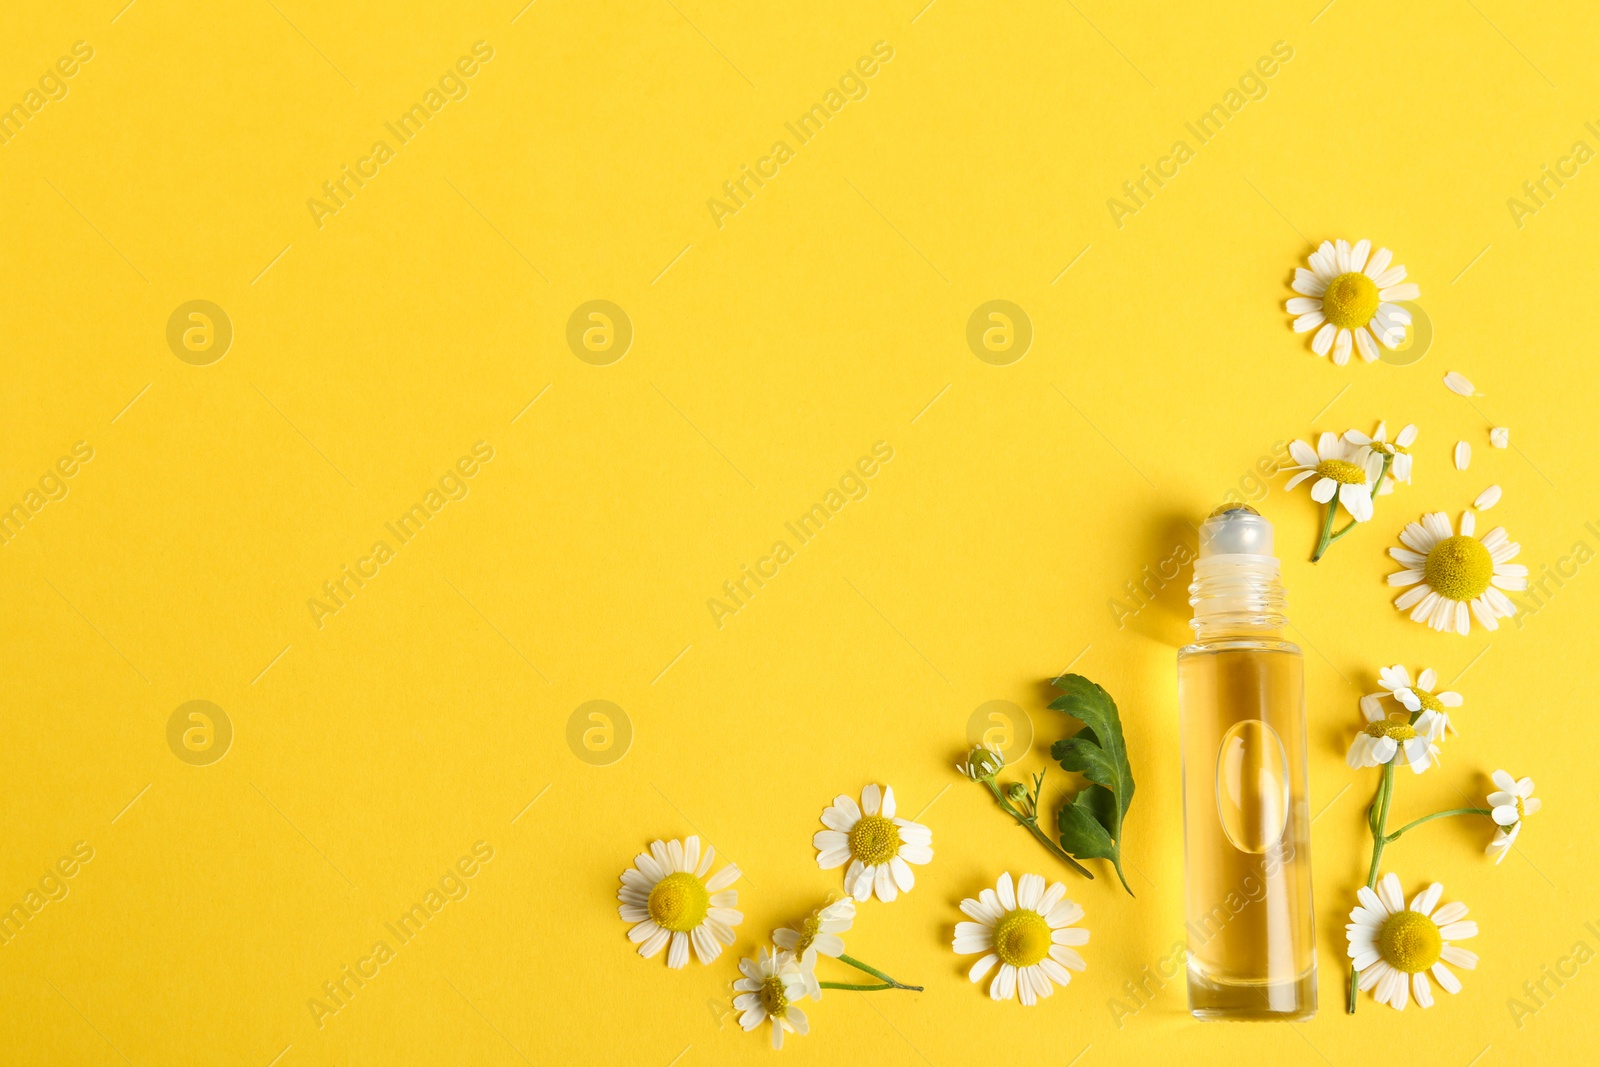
(768, 355)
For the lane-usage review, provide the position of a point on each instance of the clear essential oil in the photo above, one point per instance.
(1246, 819)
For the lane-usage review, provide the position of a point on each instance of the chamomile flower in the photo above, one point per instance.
(1395, 947)
(1339, 467)
(1450, 572)
(1348, 299)
(1028, 931)
(768, 992)
(1419, 696)
(1511, 803)
(878, 846)
(671, 902)
(983, 762)
(1399, 451)
(817, 934)
(1384, 735)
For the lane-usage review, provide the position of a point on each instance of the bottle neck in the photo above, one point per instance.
(1237, 597)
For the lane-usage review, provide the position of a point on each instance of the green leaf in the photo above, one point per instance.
(1082, 832)
(1091, 826)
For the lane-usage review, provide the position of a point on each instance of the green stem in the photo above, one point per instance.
(867, 968)
(1378, 839)
(1031, 823)
(1327, 530)
(1377, 824)
(1439, 815)
(862, 988)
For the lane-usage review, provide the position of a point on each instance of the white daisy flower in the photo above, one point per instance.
(1384, 735)
(817, 934)
(1511, 803)
(1419, 696)
(878, 846)
(1399, 451)
(1395, 947)
(1028, 932)
(1449, 572)
(767, 993)
(669, 899)
(1347, 298)
(1339, 467)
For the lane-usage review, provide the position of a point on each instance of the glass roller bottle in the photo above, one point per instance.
(1247, 855)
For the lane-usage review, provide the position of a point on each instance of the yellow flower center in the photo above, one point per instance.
(1022, 938)
(773, 998)
(808, 934)
(679, 902)
(1343, 472)
(874, 840)
(1351, 300)
(1429, 701)
(1520, 810)
(1410, 941)
(1459, 568)
(1394, 729)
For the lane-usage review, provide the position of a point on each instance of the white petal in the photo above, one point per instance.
(1488, 498)
(1463, 455)
(1392, 276)
(1006, 891)
(1030, 887)
(838, 819)
(1067, 958)
(1428, 899)
(1458, 383)
(1310, 320)
(1378, 263)
(1064, 914)
(1323, 491)
(1341, 347)
(1004, 984)
(1406, 291)
(1372, 902)
(901, 873)
(883, 883)
(979, 911)
(887, 811)
(1366, 344)
(1357, 500)
(1304, 454)
(982, 967)
(1324, 339)
(1421, 989)
(1308, 284)
(1358, 254)
(1300, 305)
(1500, 437)
(871, 798)
(1446, 978)
(1389, 893)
